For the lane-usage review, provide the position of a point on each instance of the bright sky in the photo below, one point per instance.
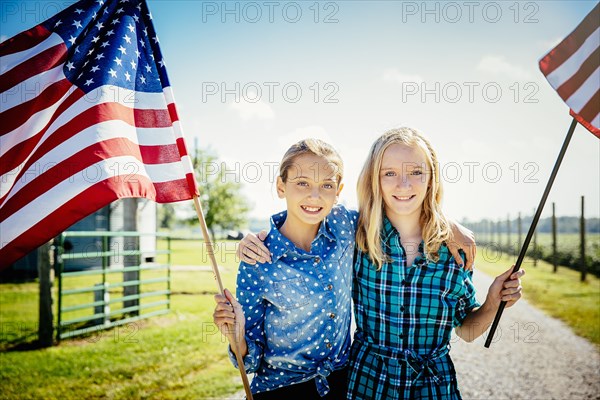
(251, 78)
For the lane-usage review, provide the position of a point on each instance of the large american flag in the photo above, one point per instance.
(573, 70)
(88, 117)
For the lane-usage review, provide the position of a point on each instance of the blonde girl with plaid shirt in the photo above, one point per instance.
(409, 292)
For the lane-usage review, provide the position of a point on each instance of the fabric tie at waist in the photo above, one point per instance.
(422, 365)
(323, 370)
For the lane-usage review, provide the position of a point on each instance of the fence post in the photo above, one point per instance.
(169, 271)
(582, 242)
(101, 294)
(554, 256)
(131, 243)
(498, 237)
(58, 246)
(535, 253)
(508, 243)
(46, 276)
(519, 230)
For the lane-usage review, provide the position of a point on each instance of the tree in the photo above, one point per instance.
(223, 204)
(166, 216)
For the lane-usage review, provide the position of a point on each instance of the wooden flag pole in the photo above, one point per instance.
(231, 334)
(536, 218)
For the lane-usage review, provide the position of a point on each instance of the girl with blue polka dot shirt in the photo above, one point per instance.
(292, 314)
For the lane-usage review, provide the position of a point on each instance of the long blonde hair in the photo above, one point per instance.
(434, 225)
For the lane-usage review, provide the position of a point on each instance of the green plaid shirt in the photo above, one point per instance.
(404, 318)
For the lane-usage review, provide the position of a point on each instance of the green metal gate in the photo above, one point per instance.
(111, 294)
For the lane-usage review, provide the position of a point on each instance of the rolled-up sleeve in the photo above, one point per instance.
(467, 301)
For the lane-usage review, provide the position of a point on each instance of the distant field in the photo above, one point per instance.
(568, 242)
(175, 356)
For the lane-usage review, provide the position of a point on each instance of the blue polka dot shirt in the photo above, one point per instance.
(298, 306)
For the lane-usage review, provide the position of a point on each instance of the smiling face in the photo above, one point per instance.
(310, 190)
(404, 178)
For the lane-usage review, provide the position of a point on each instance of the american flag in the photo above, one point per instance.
(88, 117)
(573, 70)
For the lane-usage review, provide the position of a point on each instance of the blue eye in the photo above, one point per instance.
(302, 183)
(328, 186)
(390, 173)
(417, 172)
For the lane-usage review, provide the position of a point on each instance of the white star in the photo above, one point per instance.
(105, 11)
(137, 19)
(94, 15)
(127, 76)
(104, 44)
(80, 75)
(131, 27)
(142, 79)
(119, 11)
(90, 52)
(139, 7)
(146, 31)
(77, 49)
(148, 68)
(72, 40)
(100, 2)
(155, 38)
(57, 23)
(70, 65)
(132, 65)
(142, 43)
(112, 72)
(77, 24)
(86, 63)
(78, 11)
(150, 15)
(122, 50)
(152, 57)
(110, 33)
(115, 21)
(99, 56)
(118, 61)
(95, 68)
(162, 63)
(137, 53)
(95, 39)
(127, 39)
(99, 25)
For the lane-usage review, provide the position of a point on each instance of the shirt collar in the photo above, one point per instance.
(286, 245)
(389, 231)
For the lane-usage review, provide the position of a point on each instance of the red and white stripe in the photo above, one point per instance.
(65, 154)
(573, 70)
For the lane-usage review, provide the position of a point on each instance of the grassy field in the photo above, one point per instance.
(560, 295)
(567, 242)
(181, 355)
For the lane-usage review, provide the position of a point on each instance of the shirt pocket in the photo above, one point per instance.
(290, 294)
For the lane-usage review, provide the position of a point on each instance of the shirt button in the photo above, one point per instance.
(332, 315)
(317, 259)
(329, 287)
(401, 308)
(328, 345)
(403, 282)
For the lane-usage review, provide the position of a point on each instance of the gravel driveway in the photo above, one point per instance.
(533, 356)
